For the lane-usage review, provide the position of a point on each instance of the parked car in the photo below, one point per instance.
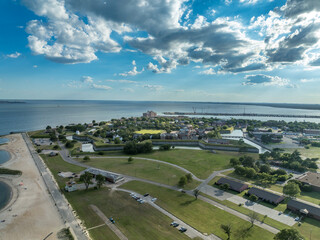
(280, 213)
(154, 199)
(146, 195)
(297, 219)
(174, 224)
(182, 229)
(111, 220)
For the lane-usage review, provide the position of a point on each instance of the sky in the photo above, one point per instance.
(167, 50)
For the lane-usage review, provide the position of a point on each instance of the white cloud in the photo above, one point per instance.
(35, 66)
(133, 72)
(266, 80)
(209, 71)
(308, 80)
(120, 81)
(14, 55)
(153, 87)
(100, 87)
(87, 79)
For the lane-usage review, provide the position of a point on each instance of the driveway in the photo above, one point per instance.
(215, 192)
(256, 207)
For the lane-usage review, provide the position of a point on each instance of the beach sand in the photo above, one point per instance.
(31, 213)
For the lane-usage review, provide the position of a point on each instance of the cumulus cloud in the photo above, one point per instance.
(209, 71)
(14, 55)
(73, 31)
(266, 80)
(133, 72)
(87, 79)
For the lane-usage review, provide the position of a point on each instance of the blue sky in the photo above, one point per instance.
(214, 50)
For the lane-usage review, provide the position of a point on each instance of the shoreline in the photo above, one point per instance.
(14, 192)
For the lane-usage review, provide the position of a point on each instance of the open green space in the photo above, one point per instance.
(56, 165)
(157, 172)
(135, 221)
(201, 215)
(39, 134)
(200, 162)
(312, 152)
(309, 229)
(149, 131)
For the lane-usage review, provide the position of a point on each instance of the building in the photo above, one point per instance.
(304, 208)
(109, 176)
(312, 179)
(273, 137)
(149, 114)
(311, 132)
(266, 196)
(218, 141)
(233, 185)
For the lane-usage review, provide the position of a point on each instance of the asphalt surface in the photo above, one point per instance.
(60, 201)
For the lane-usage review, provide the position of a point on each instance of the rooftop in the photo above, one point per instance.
(311, 178)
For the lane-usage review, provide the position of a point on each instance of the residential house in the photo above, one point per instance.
(233, 185)
(266, 195)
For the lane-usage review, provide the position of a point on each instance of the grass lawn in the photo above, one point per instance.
(200, 162)
(309, 227)
(145, 169)
(149, 131)
(312, 152)
(47, 147)
(56, 165)
(135, 221)
(199, 214)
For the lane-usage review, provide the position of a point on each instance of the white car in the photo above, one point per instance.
(154, 199)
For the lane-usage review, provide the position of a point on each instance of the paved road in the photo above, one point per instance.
(64, 154)
(256, 207)
(162, 162)
(216, 193)
(60, 201)
(214, 174)
(191, 232)
(112, 226)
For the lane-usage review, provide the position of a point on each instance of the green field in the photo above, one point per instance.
(56, 165)
(149, 131)
(200, 162)
(157, 172)
(199, 214)
(135, 221)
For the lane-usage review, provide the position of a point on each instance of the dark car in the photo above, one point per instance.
(111, 220)
(182, 229)
(174, 224)
(146, 195)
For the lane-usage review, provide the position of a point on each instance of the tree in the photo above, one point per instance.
(224, 186)
(250, 172)
(189, 177)
(253, 198)
(292, 189)
(241, 141)
(69, 144)
(86, 158)
(196, 193)
(130, 159)
(248, 161)
(265, 168)
(100, 180)
(226, 229)
(288, 234)
(234, 162)
(86, 178)
(253, 217)
(117, 140)
(182, 182)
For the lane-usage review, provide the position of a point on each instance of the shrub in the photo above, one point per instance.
(253, 198)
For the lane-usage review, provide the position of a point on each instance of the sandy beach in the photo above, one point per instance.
(31, 213)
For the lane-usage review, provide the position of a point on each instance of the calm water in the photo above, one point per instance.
(4, 140)
(37, 114)
(5, 195)
(4, 156)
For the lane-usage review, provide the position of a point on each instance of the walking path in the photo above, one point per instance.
(60, 201)
(65, 157)
(112, 226)
(191, 232)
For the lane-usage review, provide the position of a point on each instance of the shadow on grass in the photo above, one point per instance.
(186, 203)
(243, 233)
